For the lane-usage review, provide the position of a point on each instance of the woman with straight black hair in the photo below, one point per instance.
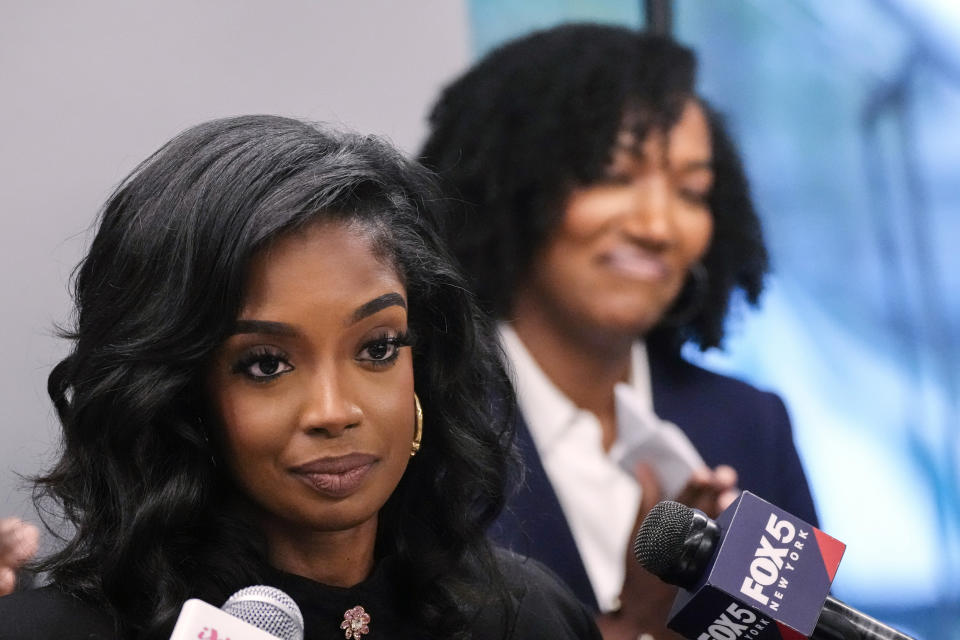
(277, 377)
(602, 213)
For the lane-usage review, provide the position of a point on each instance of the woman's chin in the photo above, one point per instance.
(626, 321)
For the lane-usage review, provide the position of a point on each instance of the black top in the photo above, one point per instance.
(542, 608)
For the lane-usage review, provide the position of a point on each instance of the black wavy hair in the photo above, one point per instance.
(154, 520)
(538, 117)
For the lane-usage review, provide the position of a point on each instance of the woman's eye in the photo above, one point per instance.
(617, 179)
(263, 366)
(694, 196)
(379, 350)
(383, 350)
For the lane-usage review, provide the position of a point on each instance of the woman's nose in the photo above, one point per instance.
(328, 407)
(650, 218)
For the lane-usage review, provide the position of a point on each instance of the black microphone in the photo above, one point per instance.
(733, 574)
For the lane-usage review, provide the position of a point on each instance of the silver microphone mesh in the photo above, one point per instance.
(269, 609)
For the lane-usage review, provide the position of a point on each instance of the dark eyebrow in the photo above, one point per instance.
(638, 155)
(263, 326)
(378, 303)
(698, 165)
(284, 329)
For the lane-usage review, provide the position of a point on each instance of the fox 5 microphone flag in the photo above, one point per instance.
(767, 580)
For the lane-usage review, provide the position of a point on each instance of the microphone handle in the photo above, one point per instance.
(839, 621)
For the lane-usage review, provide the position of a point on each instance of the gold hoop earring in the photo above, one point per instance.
(418, 434)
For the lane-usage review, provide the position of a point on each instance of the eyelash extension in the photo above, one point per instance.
(403, 339)
(254, 356)
(398, 341)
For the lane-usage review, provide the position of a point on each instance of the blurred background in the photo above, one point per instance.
(848, 116)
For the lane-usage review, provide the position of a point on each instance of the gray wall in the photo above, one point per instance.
(88, 89)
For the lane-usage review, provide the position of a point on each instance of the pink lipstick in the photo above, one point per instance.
(636, 263)
(336, 477)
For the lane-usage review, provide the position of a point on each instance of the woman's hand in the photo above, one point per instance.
(710, 490)
(645, 599)
(18, 542)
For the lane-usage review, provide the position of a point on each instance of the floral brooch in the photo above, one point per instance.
(355, 623)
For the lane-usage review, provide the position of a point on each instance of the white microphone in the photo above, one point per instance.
(253, 613)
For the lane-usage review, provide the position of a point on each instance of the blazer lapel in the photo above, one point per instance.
(533, 523)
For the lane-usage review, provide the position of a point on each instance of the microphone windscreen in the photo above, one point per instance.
(269, 609)
(659, 542)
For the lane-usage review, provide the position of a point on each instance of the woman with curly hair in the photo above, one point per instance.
(602, 214)
(277, 377)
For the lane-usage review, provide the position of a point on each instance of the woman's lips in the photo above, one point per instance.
(336, 477)
(636, 263)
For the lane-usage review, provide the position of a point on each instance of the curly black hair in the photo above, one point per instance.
(537, 118)
(155, 522)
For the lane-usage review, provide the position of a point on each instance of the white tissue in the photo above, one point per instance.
(643, 437)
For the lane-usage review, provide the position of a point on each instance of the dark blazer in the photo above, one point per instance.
(728, 421)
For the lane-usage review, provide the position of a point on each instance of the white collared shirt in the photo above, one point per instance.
(599, 499)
